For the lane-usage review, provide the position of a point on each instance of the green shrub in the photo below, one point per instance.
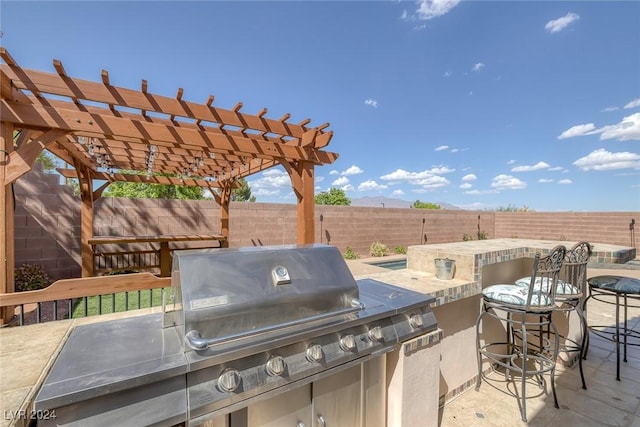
(350, 254)
(378, 249)
(31, 277)
(480, 235)
(400, 250)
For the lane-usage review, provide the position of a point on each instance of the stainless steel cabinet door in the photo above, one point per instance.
(290, 409)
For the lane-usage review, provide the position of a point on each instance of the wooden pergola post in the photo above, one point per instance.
(223, 199)
(306, 203)
(302, 181)
(86, 218)
(7, 243)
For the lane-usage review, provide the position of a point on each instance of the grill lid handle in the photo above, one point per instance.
(195, 341)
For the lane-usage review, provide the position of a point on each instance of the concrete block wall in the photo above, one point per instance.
(604, 227)
(48, 224)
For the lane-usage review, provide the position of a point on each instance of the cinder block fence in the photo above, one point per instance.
(47, 224)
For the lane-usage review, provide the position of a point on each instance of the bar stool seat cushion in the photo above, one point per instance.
(618, 284)
(562, 288)
(514, 295)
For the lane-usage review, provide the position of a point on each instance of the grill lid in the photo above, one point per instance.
(224, 294)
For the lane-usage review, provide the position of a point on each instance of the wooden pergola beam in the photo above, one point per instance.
(155, 179)
(43, 117)
(96, 92)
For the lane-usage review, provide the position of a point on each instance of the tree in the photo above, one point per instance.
(334, 196)
(242, 194)
(140, 190)
(424, 205)
(512, 208)
(47, 161)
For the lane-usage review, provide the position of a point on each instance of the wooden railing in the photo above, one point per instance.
(58, 300)
(107, 262)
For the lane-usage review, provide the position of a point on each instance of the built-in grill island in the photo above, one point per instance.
(241, 326)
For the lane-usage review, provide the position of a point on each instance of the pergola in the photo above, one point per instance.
(108, 133)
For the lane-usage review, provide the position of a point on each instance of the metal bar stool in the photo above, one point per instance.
(529, 309)
(571, 291)
(604, 289)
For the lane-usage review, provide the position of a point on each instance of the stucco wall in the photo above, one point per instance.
(47, 221)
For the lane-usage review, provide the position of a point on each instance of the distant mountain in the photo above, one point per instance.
(377, 202)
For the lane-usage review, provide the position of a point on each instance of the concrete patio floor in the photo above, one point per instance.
(605, 402)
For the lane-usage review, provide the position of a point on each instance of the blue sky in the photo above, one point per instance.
(480, 104)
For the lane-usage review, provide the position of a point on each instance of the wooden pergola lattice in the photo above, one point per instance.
(115, 134)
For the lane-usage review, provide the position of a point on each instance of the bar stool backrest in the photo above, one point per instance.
(574, 271)
(544, 277)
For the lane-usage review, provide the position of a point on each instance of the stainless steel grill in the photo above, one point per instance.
(243, 325)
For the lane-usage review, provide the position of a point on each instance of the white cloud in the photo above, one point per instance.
(343, 180)
(264, 192)
(477, 67)
(557, 25)
(270, 183)
(609, 109)
(510, 162)
(469, 177)
(347, 187)
(529, 168)
(578, 130)
(371, 102)
(480, 192)
(633, 104)
(601, 160)
(371, 185)
(319, 178)
(403, 175)
(429, 9)
(334, 172)
(565, 181)
(433, 182)
(441, 169)
(455, 150)
(398, 192)
(441, 148)
(447, 74)
(545, 181)
(507, 182)
(465, 185)
(627, 129)
(405, 15)
(556, 168)
(352, 170)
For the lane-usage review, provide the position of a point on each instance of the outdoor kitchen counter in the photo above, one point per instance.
(26, 355)
(472, 256)
(505, 259)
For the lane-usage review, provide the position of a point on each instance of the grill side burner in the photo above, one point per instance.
(244, 325)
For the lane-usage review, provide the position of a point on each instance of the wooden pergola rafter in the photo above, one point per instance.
(115, 134)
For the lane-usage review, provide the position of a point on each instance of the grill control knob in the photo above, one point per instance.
(314, 353)
(348, 343)
(416, 321)
(276, 366)
(375, 333)
(229, 380)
